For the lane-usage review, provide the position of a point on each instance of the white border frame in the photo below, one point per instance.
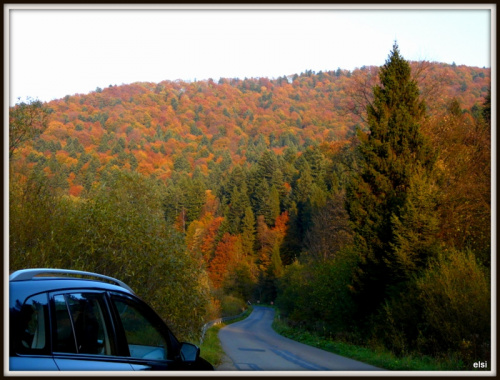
(240, 7)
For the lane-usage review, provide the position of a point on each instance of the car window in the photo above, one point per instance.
(145, 340)
(81, 324)
(29, 325)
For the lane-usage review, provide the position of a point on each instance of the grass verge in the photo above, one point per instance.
(211, 349)
(380, 357)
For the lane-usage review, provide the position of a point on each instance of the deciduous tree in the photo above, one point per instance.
(27, 121)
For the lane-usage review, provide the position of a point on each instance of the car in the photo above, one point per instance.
(69, 320)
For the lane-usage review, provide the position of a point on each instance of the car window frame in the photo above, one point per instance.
(108, 320)
(46, 351)
(152, 317)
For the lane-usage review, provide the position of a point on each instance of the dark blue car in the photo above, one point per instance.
(81, 321)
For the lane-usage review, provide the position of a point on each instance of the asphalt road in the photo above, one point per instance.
(252, 345)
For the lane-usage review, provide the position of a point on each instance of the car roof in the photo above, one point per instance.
(25, 283)
(29, 274)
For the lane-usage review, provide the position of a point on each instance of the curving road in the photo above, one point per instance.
(252, 345)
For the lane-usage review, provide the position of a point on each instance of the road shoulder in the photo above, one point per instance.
(226, 364)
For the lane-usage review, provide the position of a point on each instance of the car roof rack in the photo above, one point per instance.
(28, 274)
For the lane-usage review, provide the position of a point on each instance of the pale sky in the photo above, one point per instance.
(53, 53)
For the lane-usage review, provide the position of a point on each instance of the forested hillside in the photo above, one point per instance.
(202, 195)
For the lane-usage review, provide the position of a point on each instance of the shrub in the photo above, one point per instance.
(232, 306)
(317, 295)
(399, 323)
(455, 296)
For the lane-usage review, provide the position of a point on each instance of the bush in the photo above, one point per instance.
(317, 295)
(294, 283)
(232, 306)
(455, 296)
(398, 325)
(444, 311)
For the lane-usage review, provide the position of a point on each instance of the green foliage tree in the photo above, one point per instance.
(392, 153)
(184, 200)
(292, 243)
(415, 230)
(238, 204)
(248, 232)
(330, 230)
(275, 269)
(118, 230)
(273, 205)
(242, 280)
(260, 201)
(318, 292)
(455, 295)
(27, 121)
(181, 164)
(317, 163)
(33, 212)
(225, 184)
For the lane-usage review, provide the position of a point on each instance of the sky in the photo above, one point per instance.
(53, 53)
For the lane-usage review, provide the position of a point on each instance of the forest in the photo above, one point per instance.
(358, 202)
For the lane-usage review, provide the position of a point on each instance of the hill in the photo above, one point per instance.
(159, 129)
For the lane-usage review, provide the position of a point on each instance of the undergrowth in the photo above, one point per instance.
(376, 356)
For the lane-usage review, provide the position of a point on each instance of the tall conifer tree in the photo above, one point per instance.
(248, 232)
(391, 154)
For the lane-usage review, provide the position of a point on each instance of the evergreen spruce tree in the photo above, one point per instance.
(392, 154)
(273, 205)
(234, 212)
(238, 203)
(248, 232)
(414, 229)
(292, 243)
(275, 269)
(268, 169)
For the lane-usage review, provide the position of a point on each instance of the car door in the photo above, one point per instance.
(144, 336)
(83, 333)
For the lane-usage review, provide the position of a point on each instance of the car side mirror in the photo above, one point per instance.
(189, 352)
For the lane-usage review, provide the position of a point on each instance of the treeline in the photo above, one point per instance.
(361, 211)
(160, 129)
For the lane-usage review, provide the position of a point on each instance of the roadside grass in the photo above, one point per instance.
(211, 349)
(378, 357)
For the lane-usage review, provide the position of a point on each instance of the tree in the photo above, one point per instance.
(268, 170)
(224, 260)
(455, 295)
(27, 121)
(273, 205)
(275, 269)
(464, 145)
(392, 154)
(414, 230)
(260, 200)
(239, 202)
(330, 230)
(248, 232)
(118, 230)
